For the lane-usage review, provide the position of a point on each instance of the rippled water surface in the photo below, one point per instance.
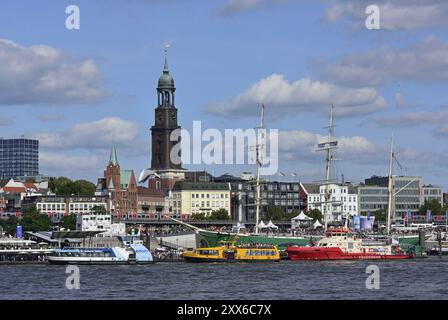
(409, 279)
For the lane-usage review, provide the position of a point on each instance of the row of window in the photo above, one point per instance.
(62, 206)
(276, 195)
(344, 199)
(270, 187)
(257, 253)
(336, 208)
(208, 195)
(208, 204)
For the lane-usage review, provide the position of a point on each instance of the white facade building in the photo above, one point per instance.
(100, 222)
(56, 207)
(344, 200)
(431, 192)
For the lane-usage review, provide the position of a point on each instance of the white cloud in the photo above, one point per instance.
(394, 14)
(283, 98)
(41, 74)
(402, 102)
(426, 61)
(56, 162)
(92, 135)
(419, 118)
(301, 146)
(231, 7)
(74, 166)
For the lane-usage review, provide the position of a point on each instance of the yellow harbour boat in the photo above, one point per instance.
(229, 252)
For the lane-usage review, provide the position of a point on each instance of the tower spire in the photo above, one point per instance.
(113, 160)
(165, 67)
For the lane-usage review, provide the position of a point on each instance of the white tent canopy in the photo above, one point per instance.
(271, 225)
(302, 217)
(299, 219)
(241, 225)
(317, 224)
(262, 225)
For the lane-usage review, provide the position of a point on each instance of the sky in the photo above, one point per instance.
(77, 91)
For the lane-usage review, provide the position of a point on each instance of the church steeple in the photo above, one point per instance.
(165, 87)
(165, 122)
(113, 159)
(165, 67)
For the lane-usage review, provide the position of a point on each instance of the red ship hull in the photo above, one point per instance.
(315, 253)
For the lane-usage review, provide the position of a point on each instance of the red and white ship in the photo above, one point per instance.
(341, 244)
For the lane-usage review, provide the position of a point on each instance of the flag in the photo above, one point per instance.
(446, 215)
(409, 215)
(428, 215)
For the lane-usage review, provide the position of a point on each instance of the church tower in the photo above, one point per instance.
(165, 123)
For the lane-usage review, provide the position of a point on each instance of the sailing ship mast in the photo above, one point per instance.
(390, 185)
(259, 146)
(328, 148)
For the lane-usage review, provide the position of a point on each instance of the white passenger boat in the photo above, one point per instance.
(135, 253)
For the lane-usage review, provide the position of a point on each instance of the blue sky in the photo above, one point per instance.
(79, 90)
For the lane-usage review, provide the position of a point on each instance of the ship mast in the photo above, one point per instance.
(328, 148)
(390, 185)
(259, 146)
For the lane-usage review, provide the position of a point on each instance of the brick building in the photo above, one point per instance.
(120, 185)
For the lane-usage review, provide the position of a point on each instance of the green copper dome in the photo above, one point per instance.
(166, 80)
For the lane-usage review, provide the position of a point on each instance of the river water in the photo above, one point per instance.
(407, 279)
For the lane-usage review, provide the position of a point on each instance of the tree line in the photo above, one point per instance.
(63, 186)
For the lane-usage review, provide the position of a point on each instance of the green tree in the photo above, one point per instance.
(380, 215)
(221, 214)
(83, 188)
(63, 186)
(315, 214)
(10, 225)
(69, 222)
(98, 209)
(32, 220)
(289, 216)
(275, 213)
(433, 205)
(198, 216)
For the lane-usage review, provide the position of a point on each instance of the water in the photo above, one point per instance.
(407, 279)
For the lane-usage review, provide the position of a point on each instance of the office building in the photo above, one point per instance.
(19, 158)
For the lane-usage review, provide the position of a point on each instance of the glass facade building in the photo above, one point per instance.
(19, 158)
(408, 196)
